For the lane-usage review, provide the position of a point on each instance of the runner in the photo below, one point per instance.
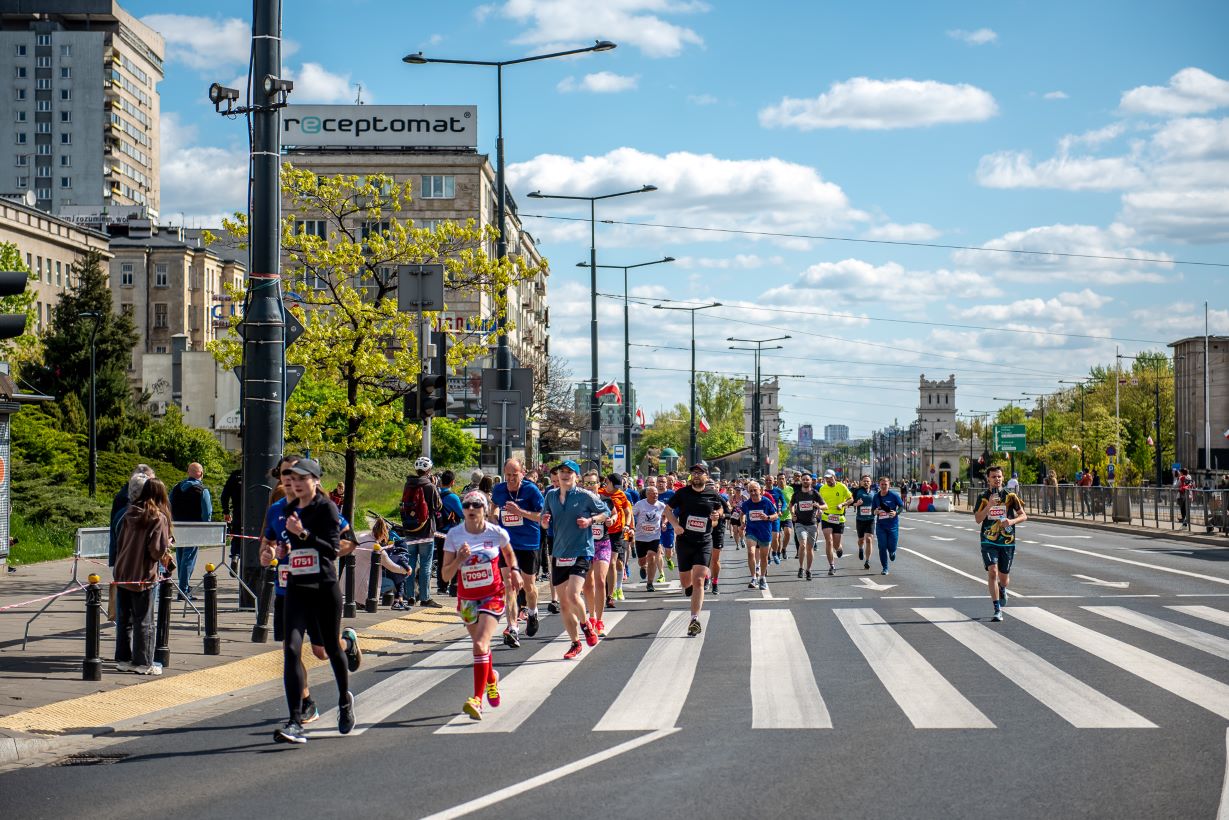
(615, 496)
(575, 511)
(807, 505)
(865, 519)
(665, 491)
(836, 498)
(737, 525)
(781, 494)
(759, 512)
(998, 512)
(886, 505)
(553, 607)
(692, 512)
(710, 583)
(518, 503)
(648, 517)
(475, 548)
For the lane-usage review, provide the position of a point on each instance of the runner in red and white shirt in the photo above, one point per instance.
(471, 553)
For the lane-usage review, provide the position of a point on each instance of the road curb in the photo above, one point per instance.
(1179, 535)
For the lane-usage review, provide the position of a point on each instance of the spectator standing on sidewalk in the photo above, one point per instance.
(190, 502)
(119, 505)
(232, 513)
(144, 545)
(1049, 496)
(1084, 483)
(1185, 483)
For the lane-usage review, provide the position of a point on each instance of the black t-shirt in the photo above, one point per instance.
(692, 508)
(803, 514)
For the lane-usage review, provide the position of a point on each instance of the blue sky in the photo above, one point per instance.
(1082, 128)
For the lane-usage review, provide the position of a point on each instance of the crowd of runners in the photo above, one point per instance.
(586, 533)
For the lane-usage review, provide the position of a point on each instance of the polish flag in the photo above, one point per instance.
(611, 389)
(704, 428)
(640, 417)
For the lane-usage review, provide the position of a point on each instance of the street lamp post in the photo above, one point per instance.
(93, 478)
(503, 356)
(627, 359)
(595, 414)
(757, 434)
(693, 452)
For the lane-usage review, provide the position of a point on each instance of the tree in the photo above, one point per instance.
(342, 286)
(669, 429)
(554, 408)
(720, 400)
(452, 445)
(21, 350)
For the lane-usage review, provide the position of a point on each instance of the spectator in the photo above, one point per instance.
(338, 495)
(1185, 483)
(232, 513)
(450, 515)
(1013, 483)
(1084, 483)
(420, 508)
(1049, 496)
(190, 502)
(145, 544)
(119, 505)
(474, 478)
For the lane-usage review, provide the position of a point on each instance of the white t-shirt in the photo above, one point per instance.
(1013, 485)
(648, 519)
(479, 577)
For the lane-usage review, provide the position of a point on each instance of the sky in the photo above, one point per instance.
(860, 177)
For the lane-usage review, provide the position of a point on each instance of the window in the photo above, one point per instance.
(125, 274)
(42, 62)
(23, 183)
(39, 316)
(21, 116)
(38, 268)
(43, 84)
(161, 278)
(42, 127)
(66, 94)
(21, 137)
(128, 309)
(66, 116)
(43, 193)
(65, 139)
(66, 51)
(42, 105)
(59, 273)
(43, 171)
(21, 72)
(65, 160)
(43, 149)
(43, 40)
(66, 182)
(314, 227)
(23, 160)
(159, 348)
(19, 94)
(375, 227)
(21, 51)
(66, 73)
(438, 187)
(160, 315)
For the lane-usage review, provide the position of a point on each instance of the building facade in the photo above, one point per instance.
(836, 433)
(770, 425)
(81, 86)
(1190, 431)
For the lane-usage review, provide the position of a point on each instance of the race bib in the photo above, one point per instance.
(885, 514)
(736, 515)
(283, 575)
(864, 510)
(697, 523)
(476, 577)
(511, 519)
(598, 530)
(758, 515)
(304, 562)
(565, 562)
(806, 506)
(833, 518)
(649, 528)
(997, 513)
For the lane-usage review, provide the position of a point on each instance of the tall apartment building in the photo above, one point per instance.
(79, 83)
(1189, 391)
(836, 433)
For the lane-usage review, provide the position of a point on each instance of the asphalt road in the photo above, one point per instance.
(1105, 693)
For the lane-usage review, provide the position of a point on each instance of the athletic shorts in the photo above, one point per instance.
(279, 623)
(560, 572)
(719, 538)
(776, 525)
(754, 543)
(643, 548)
(836, 528)
(1000, 554)
(618, 549)
(527, 560)
(693, 554)
(471, 609)
(602, 551)
(809, 530)
(866, 527)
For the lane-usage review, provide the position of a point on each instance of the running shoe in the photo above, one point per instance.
(753, 584)
(601, 629)
(661, 577)
(883, 571)
(123, 666)
(610, 602)
(553, 607)
(492, 690)
(866, 565)
(154, 669)
(649, 587)
(531, 625)
(832, 570)
(799, 572)
(473, 708)
(590, 634)
(998, 615)
(619, 594)
(808, 575)
(573, 652)
(290, 733)
(345, 714)
(763, 583)
(713, 589)
(694, 628)
(670, 563)
(643, 573)
(309, 712)
(522, 616)
(354, 652)
(399, 606)
(706, 585)
(840, 551)
(687, 592)
(859, 553)
(892, 555)
(511, 638)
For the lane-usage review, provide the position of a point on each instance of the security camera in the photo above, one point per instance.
(219, 94)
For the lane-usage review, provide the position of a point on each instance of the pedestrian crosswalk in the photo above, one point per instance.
(920, 657)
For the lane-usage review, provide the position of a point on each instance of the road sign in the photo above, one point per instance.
(1009, 438)
(1111, 450)
(619, 458)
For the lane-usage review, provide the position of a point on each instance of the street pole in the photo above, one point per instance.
(755, 408)
(693, 447)
(93, 466)
(1207, 402)
(1156, 450)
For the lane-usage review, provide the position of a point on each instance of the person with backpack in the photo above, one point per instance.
(190, 501)
(420, 504)
(449, 516)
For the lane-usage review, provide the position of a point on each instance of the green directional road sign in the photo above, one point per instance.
(1009, 438)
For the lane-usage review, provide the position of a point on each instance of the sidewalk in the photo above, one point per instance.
(1184, 536)
(44, 701)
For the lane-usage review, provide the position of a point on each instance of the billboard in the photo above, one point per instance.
(806, 436)
(381, 126)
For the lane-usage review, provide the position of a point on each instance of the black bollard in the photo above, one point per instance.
(373, 579)
(260, 632)
(162, 642)
(91, 669)
(350, 608)
(213, 645)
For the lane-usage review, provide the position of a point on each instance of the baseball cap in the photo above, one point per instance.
(699, 465)
(829, 473)
(308, 466)
(571, 465)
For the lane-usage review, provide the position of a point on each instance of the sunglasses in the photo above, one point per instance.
(289, 474)
(473, 505)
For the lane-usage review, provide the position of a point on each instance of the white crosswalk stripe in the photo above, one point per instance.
(784, 694)
(1207, 613)
(654, 697)
(1074, 701)
(1175, 632)
(927, 698)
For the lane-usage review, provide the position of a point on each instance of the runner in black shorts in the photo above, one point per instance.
(647, 515)
(718, 538)
(863, 497)
(998, 512)
(693, 511)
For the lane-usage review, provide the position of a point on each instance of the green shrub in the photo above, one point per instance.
(39, 542)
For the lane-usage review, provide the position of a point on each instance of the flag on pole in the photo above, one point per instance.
(610, 389)
(704, 428)
(640, 417)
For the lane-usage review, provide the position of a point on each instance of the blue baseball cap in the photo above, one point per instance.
(571, 465)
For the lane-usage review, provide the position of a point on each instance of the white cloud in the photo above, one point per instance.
(863, 103)
(1055, 95)
(741, 261)
(1082, 244)
(1016, 169)
(980, 37)
(892, 232)
(313, 83)
(1063, 313)
(601, 82)
(571, 23)
(204, 183)
(1190, 91)
(1179, 320)
(702, 99)
(847, 281)
(203, 42)
(1184, 215)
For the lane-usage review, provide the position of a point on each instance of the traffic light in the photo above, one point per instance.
(12, 282)
(432, 395)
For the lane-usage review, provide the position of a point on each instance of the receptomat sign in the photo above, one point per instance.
(380, 126)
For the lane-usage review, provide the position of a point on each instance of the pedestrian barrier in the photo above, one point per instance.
(349, 608)
(373, 580)
(929, 503)
(162, 638)
(212, 642)
(260, 632)
(1164, 508)
(91, 668)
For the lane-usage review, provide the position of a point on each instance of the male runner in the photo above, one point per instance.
(647, 513)
(863, 495)
(886, 506)
(518, 504)
(574, 511)
(998, 512)
(836, 498)
(718, 537)
(781, 494)
(759, 513)
(665, 491)
(807, 505)
(692, 512)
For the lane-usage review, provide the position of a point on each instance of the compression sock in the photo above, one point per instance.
(482, 668)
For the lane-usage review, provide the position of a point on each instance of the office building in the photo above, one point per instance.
(836, 433)
(1190, 431)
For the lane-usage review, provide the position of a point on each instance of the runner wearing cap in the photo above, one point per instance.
(693, 511)
(836, 498)
(572, 512)
(863, 495)
(759, 513)
(807, 505)
(518, 503)
(471, 553)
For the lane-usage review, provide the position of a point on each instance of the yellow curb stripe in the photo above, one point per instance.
(133, 701)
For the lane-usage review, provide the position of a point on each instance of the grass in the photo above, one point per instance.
(37, 543)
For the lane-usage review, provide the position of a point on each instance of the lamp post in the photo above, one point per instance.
(93, 479)
(755, 407)
(595, 414)
(693, 451)
(627, 360)
(503, 356)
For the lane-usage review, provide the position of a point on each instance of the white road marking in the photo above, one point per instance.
(906, 597)
(1053, 535)
(486, 801)
(395, 692)
(835, 598)
(1198, 689)
(1207, 613)
(1071, 699)
(1175, 632)
(1088, 579)
(941, 538)
(654, 697)
(1056, 596)
(1202, 595)
(1157, 567)
(1222, 813)
(867, 583)
(784, 694)
(982, 581)
(527, 687)
(922, 693)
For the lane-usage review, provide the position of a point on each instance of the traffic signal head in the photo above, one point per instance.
(432, 395)
(12, 282)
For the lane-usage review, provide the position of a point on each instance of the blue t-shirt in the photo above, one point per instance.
(525, 534)
(570, 541)
(632, 495)
(863, 499)
(761, 529)
(667, 531)
(891, 503)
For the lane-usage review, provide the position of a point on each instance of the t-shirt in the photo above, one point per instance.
(862, 502)
(806, 506)
(759, 526)
(1002, 505)
(478, 576)
(648, 519)
(667, 532)
(778, 498)
(834, 496)
(525, 534)
(693, 509)
(882, 507)
(570, 541)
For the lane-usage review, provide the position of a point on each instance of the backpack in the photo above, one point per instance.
(414, 512)
(445, 519)
(186, 501)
